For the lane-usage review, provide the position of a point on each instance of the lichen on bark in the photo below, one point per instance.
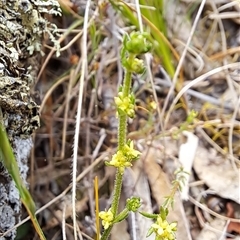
(22, 26)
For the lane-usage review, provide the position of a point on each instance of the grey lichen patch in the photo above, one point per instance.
(22, 23)
(20, 111)
(22, 148)
(7, 221)
(10, 213)
(22, 27)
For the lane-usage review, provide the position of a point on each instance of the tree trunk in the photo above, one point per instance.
(22, 26)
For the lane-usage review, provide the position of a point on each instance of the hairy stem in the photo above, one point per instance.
(122, 135)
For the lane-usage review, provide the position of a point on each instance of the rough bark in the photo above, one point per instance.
(22, 26)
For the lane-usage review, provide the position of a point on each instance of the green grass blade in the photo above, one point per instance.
(10, 163)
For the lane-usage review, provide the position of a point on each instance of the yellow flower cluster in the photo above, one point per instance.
(125, 104)
(130, 152)
(107, 218)
(124, 157)
(137, 66)
(164, 230)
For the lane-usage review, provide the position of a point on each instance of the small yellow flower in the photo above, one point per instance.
(153, 105)
(123, 158)
(130, 152)
(164, 230)
(120, 161)
(107, 218)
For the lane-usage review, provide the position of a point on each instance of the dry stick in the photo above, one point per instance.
(54, 49)
(147, 59)
(68, 6)
(223, 54)
(79, 110)
(215, 145)
(204, 208)
(149, 72)
(74, 92)
(205, 225)
(51, 89)
(199, 95)
(97, 207)
(225, 15)
(181, 62)
(194, 52)
(64, 223)
(74, 25)
(79, 106)
(230, 84)
(230, 135)
(65, 123)
(228, 5)
(224, 48)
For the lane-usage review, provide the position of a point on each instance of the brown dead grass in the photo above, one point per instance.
(214, 44)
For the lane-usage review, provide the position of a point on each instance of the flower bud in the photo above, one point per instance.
(138, 43)
(133, 204)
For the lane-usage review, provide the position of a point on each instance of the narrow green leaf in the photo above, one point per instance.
(10, 163)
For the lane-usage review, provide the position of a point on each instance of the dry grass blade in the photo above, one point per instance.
(182, 60)
(195, 81)
(79, 110)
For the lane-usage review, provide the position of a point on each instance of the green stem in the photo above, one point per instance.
(122, 121)
(122, 131)
(115, 202)
(122, 135)
(117, 192)
(127, 81)
(106, 233)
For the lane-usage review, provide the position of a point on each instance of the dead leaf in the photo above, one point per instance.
(218, 174)
(158, 180)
